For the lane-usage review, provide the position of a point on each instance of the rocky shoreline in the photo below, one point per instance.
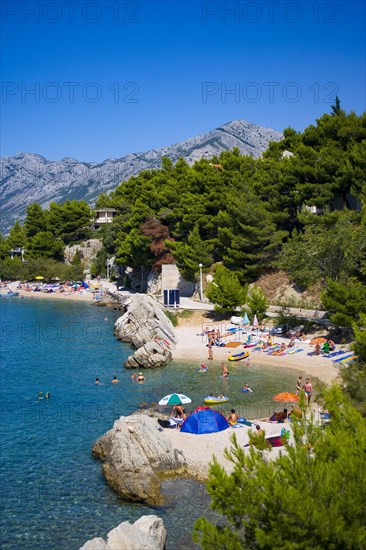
(145, 326)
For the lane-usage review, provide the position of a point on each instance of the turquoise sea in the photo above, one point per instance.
(53, 494)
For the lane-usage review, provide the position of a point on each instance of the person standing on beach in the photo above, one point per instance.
(308, 389)
(210, 353)
(299, 383)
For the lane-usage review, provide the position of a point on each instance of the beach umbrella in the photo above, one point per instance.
(39, 277)
(317, 340)
(245, 319)
(255, 321)
(286, 397)
(175, 399)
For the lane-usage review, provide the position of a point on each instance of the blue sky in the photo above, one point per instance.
(96, 80)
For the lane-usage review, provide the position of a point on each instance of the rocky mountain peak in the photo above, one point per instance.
(27, 177)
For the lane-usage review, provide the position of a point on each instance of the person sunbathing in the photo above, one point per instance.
(276, 417)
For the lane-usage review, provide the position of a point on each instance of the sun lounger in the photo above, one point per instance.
(348, 360)
(342, 358)
(335, 353)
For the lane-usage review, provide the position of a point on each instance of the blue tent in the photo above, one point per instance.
(85, 285)
(204, 421)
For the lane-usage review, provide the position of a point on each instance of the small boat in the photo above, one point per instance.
(215, 400)
(239, 356)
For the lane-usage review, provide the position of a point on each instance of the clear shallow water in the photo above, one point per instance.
(53, 494)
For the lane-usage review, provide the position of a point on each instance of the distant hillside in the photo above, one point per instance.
(27, 178)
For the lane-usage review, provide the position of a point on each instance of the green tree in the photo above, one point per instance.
(258, 302)
(188, 255)
(249, 235)
(44, 244)
(311, 496)
(346, 303)
(353, 375)
(336, 108)
(36, 220)
(226, 292)
(71, 220)
(17, 236)
(4, 248)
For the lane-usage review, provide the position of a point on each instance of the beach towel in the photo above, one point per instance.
(296, 350)
(232, 344)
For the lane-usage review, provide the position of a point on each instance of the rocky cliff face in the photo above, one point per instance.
(87, 251)
(27, 178)
(145, 326)
(136, 456)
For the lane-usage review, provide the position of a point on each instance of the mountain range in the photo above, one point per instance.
(27, 178)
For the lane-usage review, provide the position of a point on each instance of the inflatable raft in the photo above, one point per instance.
(215, 400)
(239, 356)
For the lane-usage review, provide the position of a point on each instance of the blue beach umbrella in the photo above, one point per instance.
(245, 319)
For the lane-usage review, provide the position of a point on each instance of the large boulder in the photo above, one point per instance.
(147, 533)
(136, 457)
(146, 327)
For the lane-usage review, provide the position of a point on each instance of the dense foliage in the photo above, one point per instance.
(44, 235)
(250, 215)
(312, 496)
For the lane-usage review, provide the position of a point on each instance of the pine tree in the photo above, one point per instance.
(226, 292)
(313, 495)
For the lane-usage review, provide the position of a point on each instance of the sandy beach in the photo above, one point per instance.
(192, 347)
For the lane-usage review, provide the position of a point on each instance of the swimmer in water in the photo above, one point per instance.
(134, 376)
(115, 380)
(140, 377)
(97, 381)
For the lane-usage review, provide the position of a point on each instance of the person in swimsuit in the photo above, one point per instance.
(225, 372)
(233, 417)
(115, 380)
(210, 353)
(140, 377)
(308, 389)
(299, 384)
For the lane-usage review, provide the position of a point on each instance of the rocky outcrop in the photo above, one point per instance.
(146, 327)
(147, 533)
(136, 457)
(87, 251)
